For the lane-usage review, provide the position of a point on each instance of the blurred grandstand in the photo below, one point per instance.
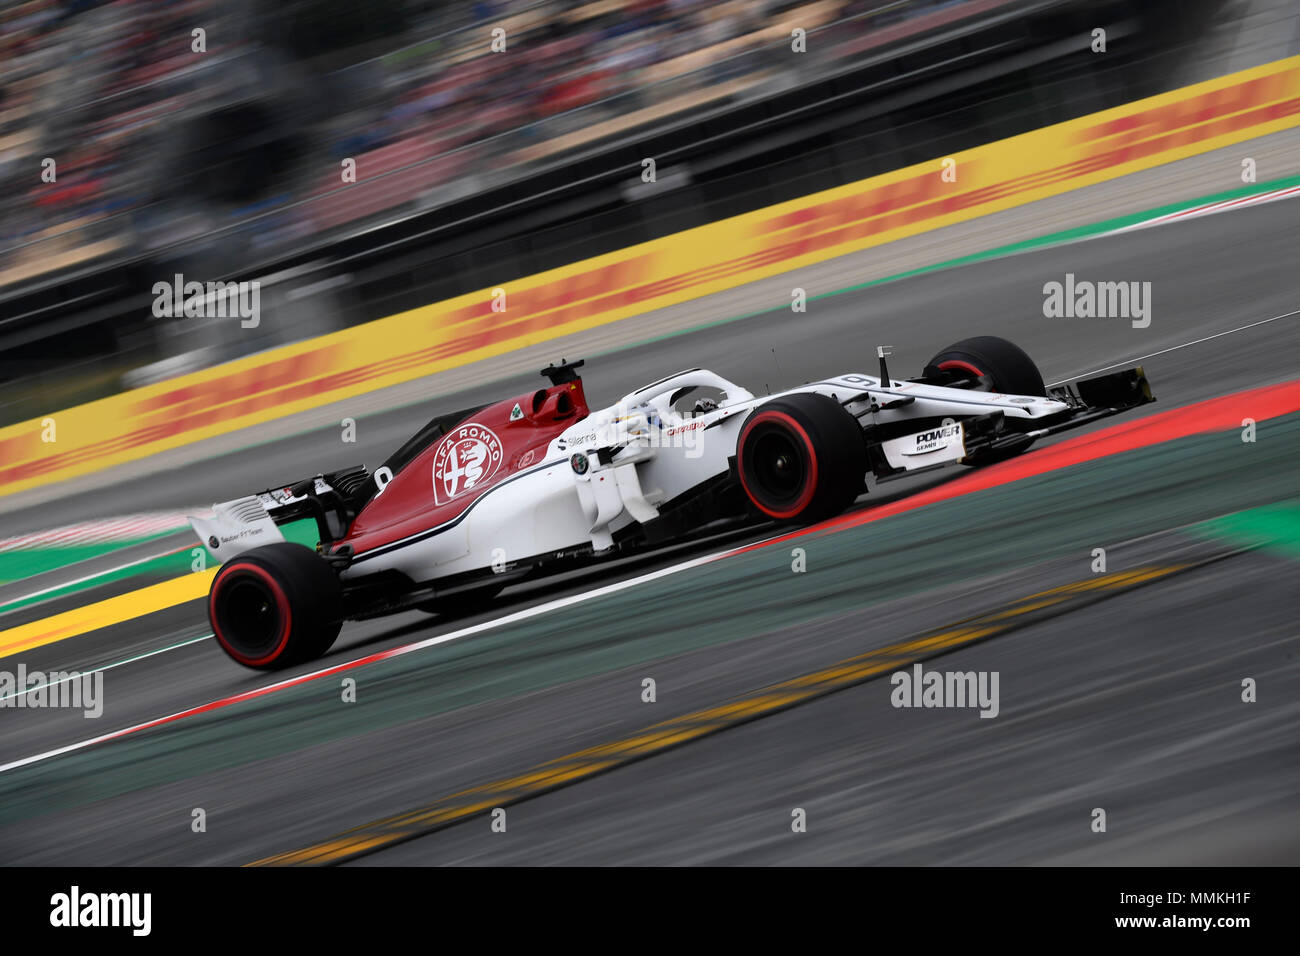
(475, 167)
(155, 143)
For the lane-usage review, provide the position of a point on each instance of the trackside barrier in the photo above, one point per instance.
(663, 272)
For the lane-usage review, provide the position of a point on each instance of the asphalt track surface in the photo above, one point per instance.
(1130, 704)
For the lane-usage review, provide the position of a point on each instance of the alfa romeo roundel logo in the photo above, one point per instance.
(467, 458)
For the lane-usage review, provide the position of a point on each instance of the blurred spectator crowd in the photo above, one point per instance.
(432, 113)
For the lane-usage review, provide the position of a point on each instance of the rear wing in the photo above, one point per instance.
(331, 500)
(236, 526)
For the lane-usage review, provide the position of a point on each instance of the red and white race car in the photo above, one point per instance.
(535, 483)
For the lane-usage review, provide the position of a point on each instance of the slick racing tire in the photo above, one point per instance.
(1001, 363)
(801, 458)
(275, 606)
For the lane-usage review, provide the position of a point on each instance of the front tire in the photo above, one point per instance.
(1001, 366)
(275, 606)
(1005, 366)
(801, 458)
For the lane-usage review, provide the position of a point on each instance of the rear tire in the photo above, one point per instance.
(801, 458)
(275, 606)
(1007, 366)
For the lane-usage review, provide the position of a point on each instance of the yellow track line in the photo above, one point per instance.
(191, 587)
(114, 610)
(657, 738)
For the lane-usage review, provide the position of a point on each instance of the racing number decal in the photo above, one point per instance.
(468, 457)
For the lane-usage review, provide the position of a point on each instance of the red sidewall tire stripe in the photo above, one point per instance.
(964, 366)
(281, 600)
(810, 484)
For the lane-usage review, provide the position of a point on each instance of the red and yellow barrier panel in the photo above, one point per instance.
(663, 272)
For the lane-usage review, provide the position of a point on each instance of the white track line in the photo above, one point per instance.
(522, 615)
(82, 580)
(1174, 348)
(124, 528)
(525, 614)
(106, 667)
(1209, 209)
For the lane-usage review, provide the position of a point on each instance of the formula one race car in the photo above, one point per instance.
(484, 497)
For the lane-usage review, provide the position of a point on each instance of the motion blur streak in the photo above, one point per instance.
(115, 610)
(1216, 414)
(965, 150)
(761, 703)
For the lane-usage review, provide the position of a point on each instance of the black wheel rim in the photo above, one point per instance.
(249, 616)
(777, 465)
